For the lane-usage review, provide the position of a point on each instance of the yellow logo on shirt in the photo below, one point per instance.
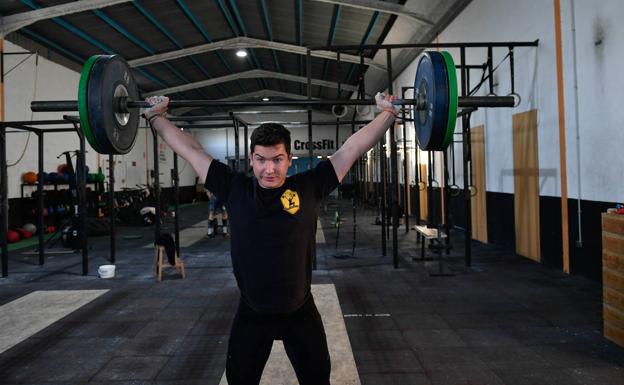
(290, 201)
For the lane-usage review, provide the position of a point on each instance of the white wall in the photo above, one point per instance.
(600, 80)
(35, 79)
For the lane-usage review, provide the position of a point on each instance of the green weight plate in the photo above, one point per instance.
(83, 104)
(452, 95)
(109, 80)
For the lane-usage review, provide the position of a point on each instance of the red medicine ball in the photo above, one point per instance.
(24, 234)
(12, 236)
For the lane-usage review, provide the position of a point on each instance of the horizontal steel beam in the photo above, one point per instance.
(17, 21)
(243, 42)
(266, 93)
(494, 44)
(248, 95)
(383, 7)
(251, 74)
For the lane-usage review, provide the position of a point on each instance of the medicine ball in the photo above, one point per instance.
(29, 177)
(12, 236)
(24, 234)
(43, 176)
(31, 228)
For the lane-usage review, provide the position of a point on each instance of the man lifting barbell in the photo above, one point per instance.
(273, 222)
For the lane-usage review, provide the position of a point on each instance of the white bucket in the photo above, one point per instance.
(106, 271)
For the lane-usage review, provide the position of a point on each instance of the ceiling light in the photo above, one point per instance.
(241, 53)
(265, 99)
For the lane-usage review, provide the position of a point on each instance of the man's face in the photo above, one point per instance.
(270, 165)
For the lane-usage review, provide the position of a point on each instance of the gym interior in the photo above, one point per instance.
(480, 241)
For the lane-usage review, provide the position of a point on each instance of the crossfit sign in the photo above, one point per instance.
(325, 144)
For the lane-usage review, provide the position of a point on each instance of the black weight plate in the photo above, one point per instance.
(110, 79)
(431, 82)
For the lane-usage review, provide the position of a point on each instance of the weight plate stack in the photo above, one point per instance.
(452, 95)
(83, 107)
(110, 79)
(431, 83)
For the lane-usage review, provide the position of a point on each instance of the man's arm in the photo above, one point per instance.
(181, 143)
(364, 139)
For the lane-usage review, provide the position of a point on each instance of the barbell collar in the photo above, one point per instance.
(485, 101)
(54, 105)
(124, 104)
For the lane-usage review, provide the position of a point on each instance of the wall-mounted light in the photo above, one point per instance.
(241, 53)
(265, 99)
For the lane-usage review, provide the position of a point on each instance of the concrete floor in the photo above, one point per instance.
(506, 320)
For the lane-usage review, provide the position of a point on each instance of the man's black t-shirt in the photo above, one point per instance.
(273, 233)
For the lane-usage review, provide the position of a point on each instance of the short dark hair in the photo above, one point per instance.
(270, 134)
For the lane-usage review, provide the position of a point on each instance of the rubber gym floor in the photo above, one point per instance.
(506, 320)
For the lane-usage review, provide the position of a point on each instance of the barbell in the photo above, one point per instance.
(109, 112)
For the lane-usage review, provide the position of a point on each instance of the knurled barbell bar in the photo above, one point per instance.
(108, 103)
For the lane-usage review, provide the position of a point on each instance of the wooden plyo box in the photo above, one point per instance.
(613, 277)
(161, 263)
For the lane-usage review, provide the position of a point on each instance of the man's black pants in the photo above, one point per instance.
(251, 339)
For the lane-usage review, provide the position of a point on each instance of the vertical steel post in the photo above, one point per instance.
(382, 186)
(40, 225)
(490, 65)
(236, 144)
(511, 70)
(4, 190)
(417, 171)
(82, 199)
(111, 206)
(446, 195)
(338, 83)
(310, 147)
(246, 148)
(430, 205)
(176, 200)
(362, 80)
(362, 95)
(4, 202)
(156, 182)
(417, 179)
(309, 89)
(394, 185)
(466, 156)
(405, 167)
